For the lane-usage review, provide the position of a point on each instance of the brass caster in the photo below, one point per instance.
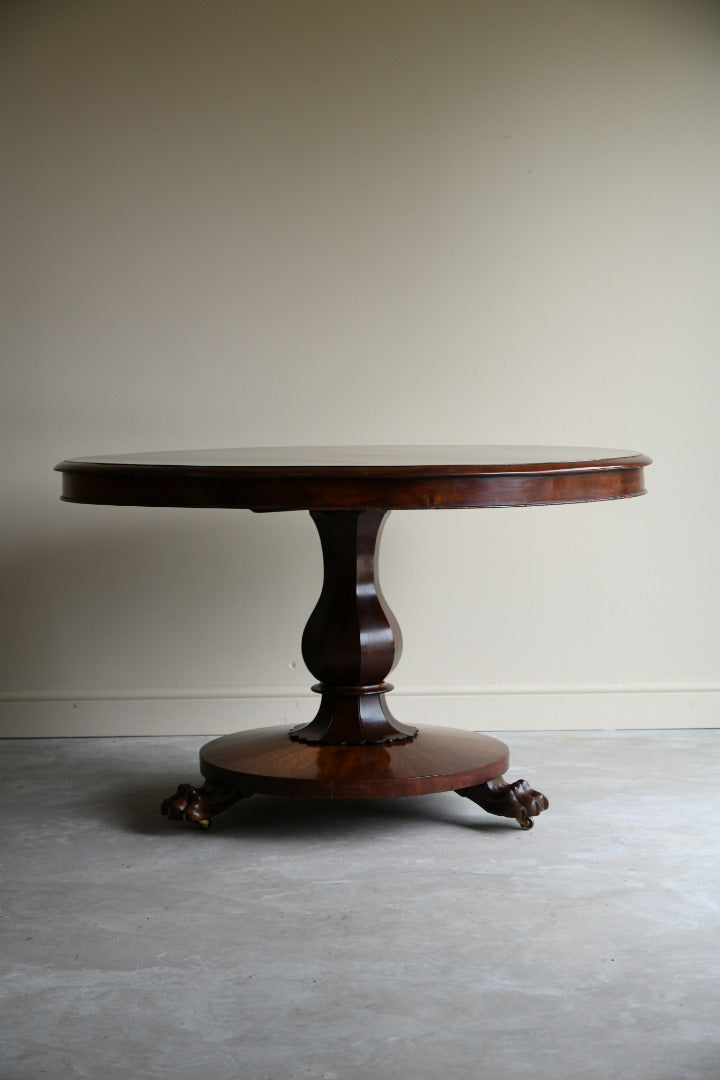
(205, 823)
(525, 823)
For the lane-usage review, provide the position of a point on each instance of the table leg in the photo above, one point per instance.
(352, 640)
(199, 805)
(516, 800)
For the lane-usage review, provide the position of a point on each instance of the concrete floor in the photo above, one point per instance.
(409, 938)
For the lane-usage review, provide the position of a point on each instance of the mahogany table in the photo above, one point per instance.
(354, 747)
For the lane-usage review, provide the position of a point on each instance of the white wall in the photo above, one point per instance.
(231, 223)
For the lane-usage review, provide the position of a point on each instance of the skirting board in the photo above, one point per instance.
(497, 709)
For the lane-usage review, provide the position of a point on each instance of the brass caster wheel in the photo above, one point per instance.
(525, 823)
(205, 823)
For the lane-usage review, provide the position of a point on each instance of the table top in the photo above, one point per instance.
(356, 477)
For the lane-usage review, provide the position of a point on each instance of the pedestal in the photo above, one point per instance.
(354, 747)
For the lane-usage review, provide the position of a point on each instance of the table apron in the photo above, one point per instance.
(144, 487)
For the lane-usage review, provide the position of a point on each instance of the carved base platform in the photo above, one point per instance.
(268, 761)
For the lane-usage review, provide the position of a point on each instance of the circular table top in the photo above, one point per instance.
(356, 477)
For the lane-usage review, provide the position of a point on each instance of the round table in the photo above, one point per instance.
(354, 747)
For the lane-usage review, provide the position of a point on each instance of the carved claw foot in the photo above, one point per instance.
(516, 800)
(199, 805)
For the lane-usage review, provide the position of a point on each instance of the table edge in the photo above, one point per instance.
(274, 491)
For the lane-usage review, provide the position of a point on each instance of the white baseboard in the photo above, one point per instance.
(472, 708)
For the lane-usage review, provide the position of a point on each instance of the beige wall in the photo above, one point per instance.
(232, 223)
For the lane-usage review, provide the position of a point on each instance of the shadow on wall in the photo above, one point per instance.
(137, 590)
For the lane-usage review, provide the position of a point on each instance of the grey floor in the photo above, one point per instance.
(409, 938)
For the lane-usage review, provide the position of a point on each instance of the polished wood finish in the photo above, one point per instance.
(354, 747)
(346, 478)
(352, 640)
(266, 761)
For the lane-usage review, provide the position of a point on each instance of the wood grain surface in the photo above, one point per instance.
(266, 761)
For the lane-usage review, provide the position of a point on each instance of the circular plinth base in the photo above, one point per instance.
(266, 761)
